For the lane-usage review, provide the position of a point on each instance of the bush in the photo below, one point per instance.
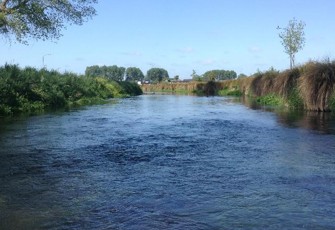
(30, 90)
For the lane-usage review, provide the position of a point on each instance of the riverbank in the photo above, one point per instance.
(310, 87)
(32, 91)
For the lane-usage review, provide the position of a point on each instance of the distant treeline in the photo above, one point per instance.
(153, 75)
(30, 90)
(132, 74)
(215, 75)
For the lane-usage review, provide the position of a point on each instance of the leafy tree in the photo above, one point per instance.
(41, 19)
(93, 71)
(114, 72)
(241, 75)
(134, 74)
(157, 75)
(219, 75)
(292, 38)
(195, 76)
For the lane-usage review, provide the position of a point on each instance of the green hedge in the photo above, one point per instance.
(30, 90)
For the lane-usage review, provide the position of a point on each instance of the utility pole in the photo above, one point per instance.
(43, 65)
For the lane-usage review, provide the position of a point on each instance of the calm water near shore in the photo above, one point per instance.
(168, 162)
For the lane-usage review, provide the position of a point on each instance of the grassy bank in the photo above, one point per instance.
(30, 90)
(310, 86)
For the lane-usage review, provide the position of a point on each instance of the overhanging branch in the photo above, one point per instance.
(3, 5)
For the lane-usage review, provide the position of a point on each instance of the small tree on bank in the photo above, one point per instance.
(292, 38)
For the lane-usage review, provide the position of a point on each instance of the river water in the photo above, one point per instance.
(168, 162)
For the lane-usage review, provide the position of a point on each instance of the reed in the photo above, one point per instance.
(263, 83)
(310, 86)
(316, 85)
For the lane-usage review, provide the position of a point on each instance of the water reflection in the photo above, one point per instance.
(321, 122)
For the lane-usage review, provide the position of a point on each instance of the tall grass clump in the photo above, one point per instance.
(286, 86)
(317, 85)
(277, 88)
(263, 82)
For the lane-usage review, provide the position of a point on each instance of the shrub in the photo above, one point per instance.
(30, 90)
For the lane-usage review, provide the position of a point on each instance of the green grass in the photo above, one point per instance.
(271, 100)
(230, 92)
(332, 103)
(294, 99)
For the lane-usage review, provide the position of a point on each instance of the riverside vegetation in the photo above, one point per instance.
(310, 86)
(30, 90)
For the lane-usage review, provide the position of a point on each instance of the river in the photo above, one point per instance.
(168, 162)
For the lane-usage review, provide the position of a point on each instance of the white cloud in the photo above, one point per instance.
(255, 49)
(207, 62)
(152, 64)
(132, 53)
(186, 50)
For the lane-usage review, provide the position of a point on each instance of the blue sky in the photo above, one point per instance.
(183, 35)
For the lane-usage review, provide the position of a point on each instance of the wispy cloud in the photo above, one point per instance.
(151, 64)
(186, 50)
(207, 62)
(80, 59)
(132, 53)
(255, 49)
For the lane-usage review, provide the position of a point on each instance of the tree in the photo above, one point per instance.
(134, 74)
(292, 38)
(195, 76)
(41, 19)
(93, 71)
(114, 72)
(157, 75)
(219, 75)
(242, 75)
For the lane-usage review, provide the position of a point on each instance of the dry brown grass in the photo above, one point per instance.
(317, 85)
(310, 86)
(285, 82)
(263, 83)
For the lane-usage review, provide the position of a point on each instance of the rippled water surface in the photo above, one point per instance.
(168, 162)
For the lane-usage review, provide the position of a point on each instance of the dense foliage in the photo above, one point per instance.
(113, 72)
(157, 75)
(219, 75)
(134, 74)
(41, 19)
(214, 75)
(30, 90)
